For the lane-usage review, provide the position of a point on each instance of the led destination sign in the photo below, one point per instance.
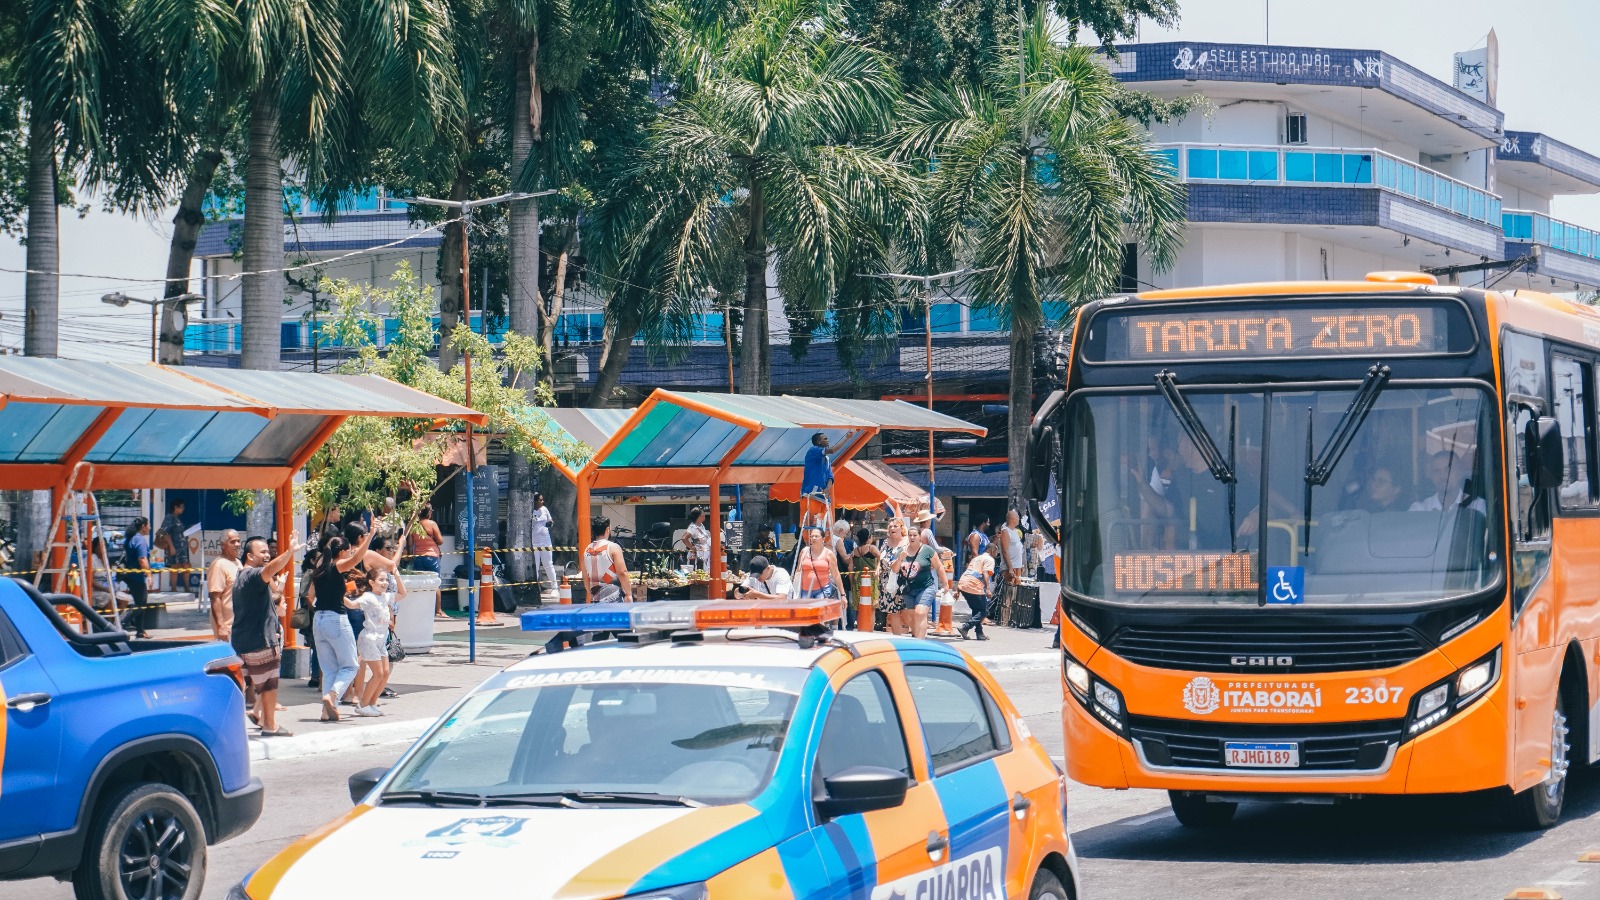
(1234, 332)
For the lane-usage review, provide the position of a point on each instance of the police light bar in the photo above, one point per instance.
(683, 615)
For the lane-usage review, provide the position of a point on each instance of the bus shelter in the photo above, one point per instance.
(686, 437)
(75, 425)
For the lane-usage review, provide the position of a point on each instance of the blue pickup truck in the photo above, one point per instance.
(120, 759)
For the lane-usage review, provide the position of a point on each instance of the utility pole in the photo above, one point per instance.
(927, 313)
(475, 616)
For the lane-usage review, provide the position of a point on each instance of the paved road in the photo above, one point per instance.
(1129, 845)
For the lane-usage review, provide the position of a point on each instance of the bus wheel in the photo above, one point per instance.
(1195, 811)
(1540, 806)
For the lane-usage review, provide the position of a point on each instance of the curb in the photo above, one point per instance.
(353, 738)
(1019, 662)
(404, 732)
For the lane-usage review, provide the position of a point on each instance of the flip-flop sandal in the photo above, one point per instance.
(330, 713)
(280, 732)
(253, 717)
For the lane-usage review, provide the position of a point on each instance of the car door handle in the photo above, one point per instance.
(26, 702)
(1020, 804)
(937, 844)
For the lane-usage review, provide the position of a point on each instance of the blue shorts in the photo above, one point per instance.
(928, 596)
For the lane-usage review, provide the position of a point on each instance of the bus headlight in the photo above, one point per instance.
(1078, 677)
(1096, 696)
(1442, 700)
(1107, 697)
(1474, 679)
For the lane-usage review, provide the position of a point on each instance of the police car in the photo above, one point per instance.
(711, 750)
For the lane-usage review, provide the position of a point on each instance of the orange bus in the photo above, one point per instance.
(1325, 540)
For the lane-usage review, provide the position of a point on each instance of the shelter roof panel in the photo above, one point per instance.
(304, 392)
(25, 379)
(898, 415)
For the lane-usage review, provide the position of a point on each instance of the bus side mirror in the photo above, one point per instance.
(1543, 450)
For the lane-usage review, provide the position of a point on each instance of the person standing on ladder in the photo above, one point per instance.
(815, 481)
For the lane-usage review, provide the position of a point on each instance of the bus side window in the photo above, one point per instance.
(1526, 385)
(1572, 390)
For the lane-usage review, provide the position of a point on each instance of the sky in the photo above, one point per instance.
(1546, 55)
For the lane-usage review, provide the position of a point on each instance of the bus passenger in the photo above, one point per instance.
(1448, 475)
(1383, 492)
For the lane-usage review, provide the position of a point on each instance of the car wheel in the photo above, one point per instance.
(1046, 886)
(1195, 811)
(1540, 806)
(146, 843)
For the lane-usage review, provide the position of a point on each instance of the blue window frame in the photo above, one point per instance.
(1263, 165)
(1299, 167)
(1233, 165)
(1202, 163)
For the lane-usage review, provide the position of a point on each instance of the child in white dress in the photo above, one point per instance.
(372, 645)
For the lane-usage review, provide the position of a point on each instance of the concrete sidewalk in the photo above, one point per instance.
(429, 683)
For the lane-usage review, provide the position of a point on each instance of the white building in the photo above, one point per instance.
(1325, 163)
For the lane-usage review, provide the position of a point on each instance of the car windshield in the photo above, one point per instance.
(1279, 509)
(579, 737)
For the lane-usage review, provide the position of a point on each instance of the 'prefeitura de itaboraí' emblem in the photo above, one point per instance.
(1201, 697)
(486, 831)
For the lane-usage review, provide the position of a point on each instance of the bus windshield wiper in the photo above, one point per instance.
(1320, 468)
(1221, 469)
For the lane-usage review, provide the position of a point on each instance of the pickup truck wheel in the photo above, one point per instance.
(147, 843)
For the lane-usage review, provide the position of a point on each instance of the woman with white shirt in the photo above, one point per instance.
(543, 553)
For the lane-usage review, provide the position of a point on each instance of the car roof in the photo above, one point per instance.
(738, 647)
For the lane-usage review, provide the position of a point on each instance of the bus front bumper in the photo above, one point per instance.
(1467, 752)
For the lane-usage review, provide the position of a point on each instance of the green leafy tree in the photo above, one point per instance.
(368, 458)
(1037, 179)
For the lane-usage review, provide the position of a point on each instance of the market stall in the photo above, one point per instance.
(695, 438)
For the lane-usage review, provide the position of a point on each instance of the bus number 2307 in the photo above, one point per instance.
(1373, 695)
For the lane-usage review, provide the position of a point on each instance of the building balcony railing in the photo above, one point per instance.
(1538, 228)
(950, 317)
(1245, 164)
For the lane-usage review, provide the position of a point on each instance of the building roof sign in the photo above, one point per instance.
(1541, 162)
(1190, 61)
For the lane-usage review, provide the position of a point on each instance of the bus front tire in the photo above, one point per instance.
(1539, 807)
(1195, 811)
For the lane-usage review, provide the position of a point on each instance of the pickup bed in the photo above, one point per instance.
(120, 760)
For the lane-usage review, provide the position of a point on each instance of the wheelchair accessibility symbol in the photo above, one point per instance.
(1286, 585)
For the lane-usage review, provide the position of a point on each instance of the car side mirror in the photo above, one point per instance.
(362, 782)
(1543, 450)
(860, 789)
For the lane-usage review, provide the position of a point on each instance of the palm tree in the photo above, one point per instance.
(64, 64)
(1035, 179)
(759, 162)
(330, 82)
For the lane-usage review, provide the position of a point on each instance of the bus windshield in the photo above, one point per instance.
(1258, 510)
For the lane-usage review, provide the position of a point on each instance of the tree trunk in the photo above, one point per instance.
(551, 316)
(450, 296)
(42, 306)
(1019, 417)
(261, 299)
(523, 304)
(186, 225)
(42, 285)
(613, 359)
(754, 375)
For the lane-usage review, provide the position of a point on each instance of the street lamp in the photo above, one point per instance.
(927, 310)
(119, 299)
(465, 207)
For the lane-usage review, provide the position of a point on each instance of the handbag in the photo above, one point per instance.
(397, 650)
(301, 619)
